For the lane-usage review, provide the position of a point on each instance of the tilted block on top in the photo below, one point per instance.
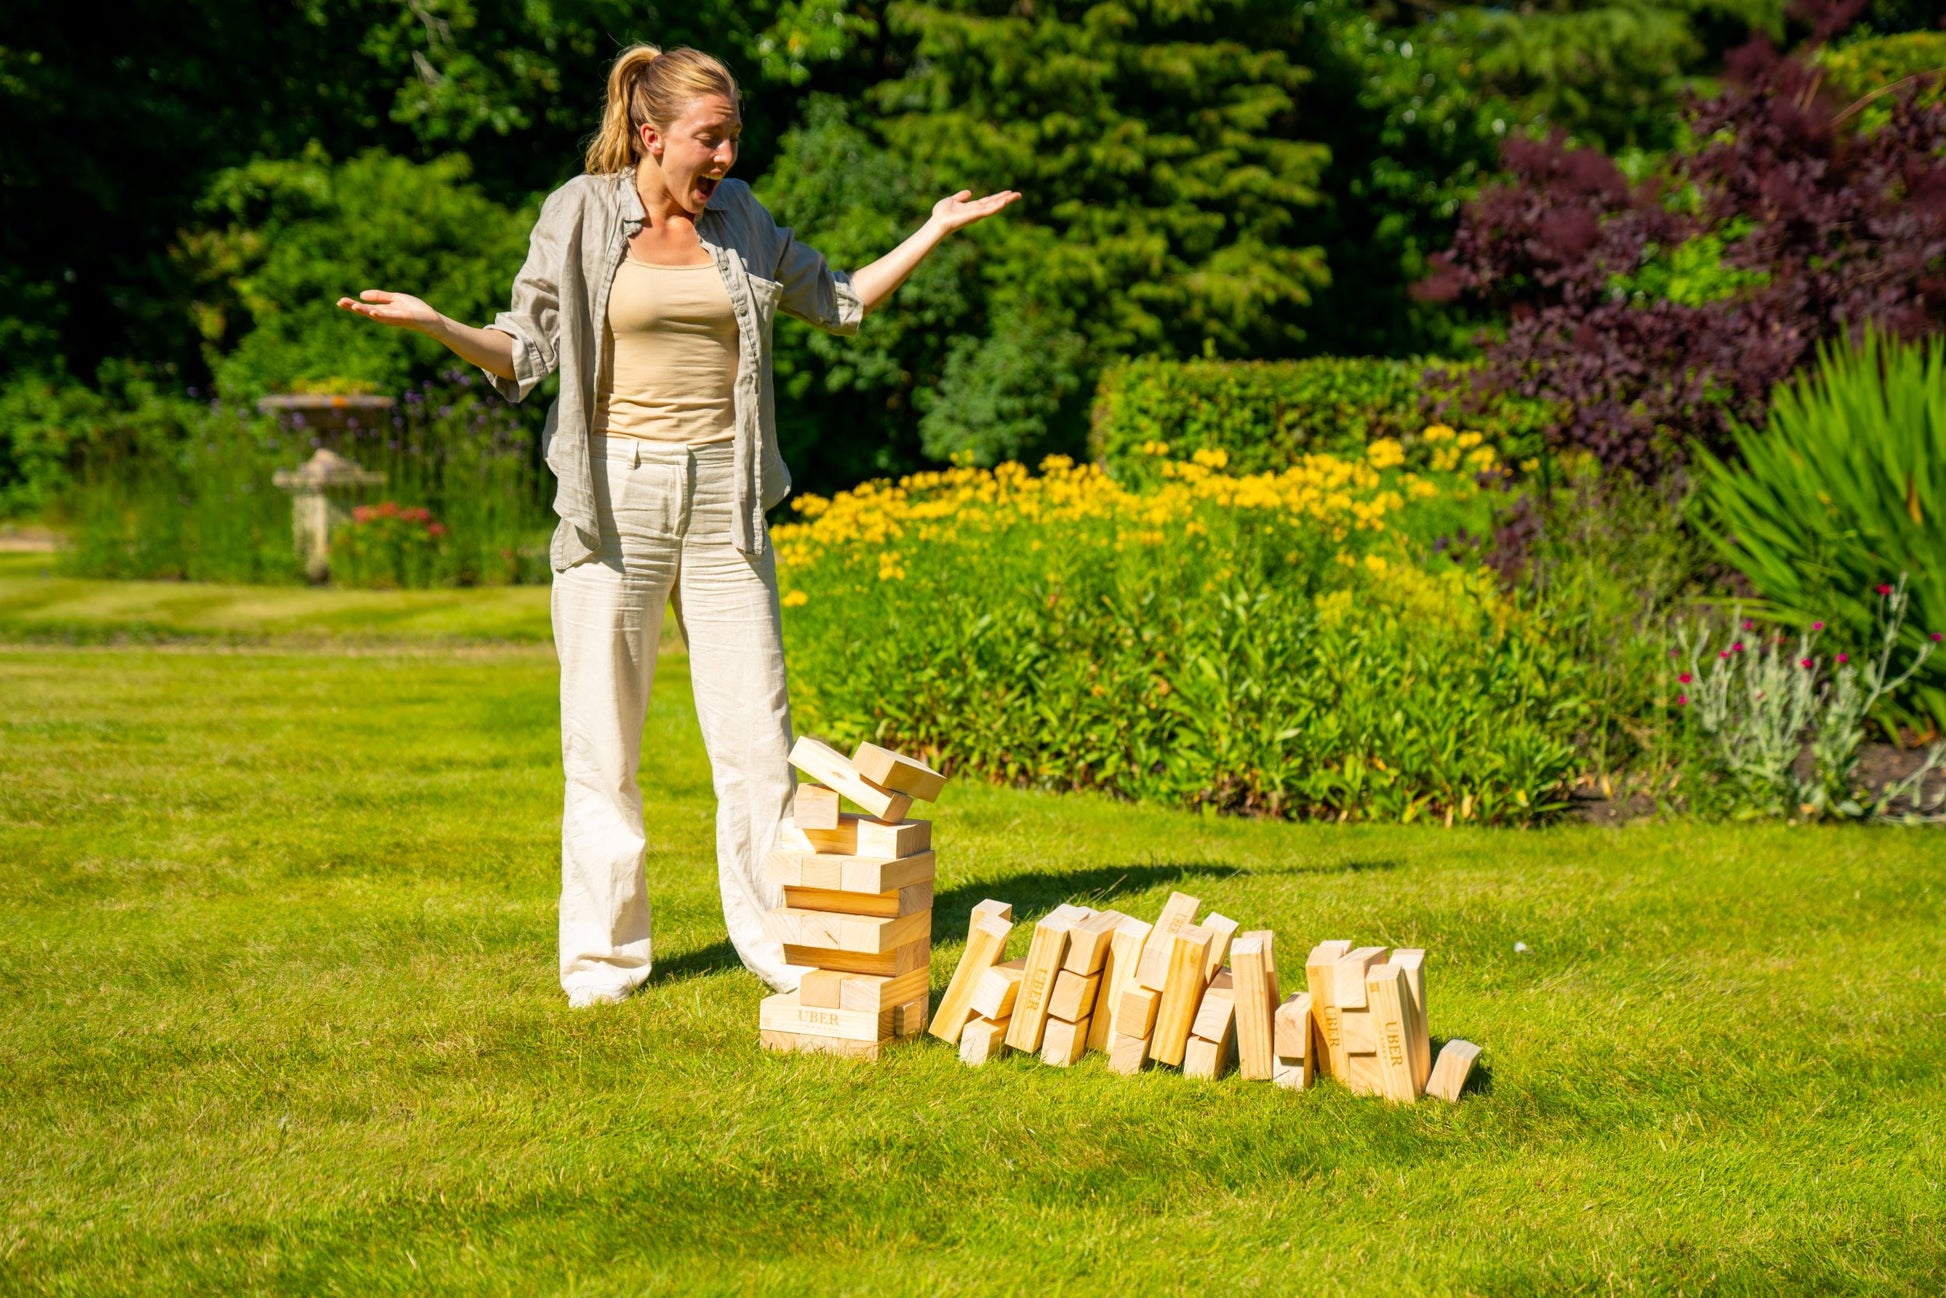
(828, 766)
(897, 772)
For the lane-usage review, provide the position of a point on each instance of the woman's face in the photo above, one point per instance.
(697, 150)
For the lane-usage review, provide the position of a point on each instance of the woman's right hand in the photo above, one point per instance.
(400, 310)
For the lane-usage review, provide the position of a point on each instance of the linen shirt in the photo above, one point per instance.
(560, 299)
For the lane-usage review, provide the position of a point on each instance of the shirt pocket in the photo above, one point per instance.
(764, 296)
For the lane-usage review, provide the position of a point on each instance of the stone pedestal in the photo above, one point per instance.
(318, 504)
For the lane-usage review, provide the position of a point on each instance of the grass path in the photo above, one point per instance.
(282, 1018)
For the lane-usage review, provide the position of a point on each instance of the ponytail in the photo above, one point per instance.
(647, 86)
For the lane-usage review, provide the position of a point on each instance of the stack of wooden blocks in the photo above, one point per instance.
(1159, 1010)
(857, 903)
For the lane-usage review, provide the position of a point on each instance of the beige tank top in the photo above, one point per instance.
(670, 340)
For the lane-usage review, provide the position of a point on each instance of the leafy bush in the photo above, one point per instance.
(1842, 490)
(1867, 71)
(1264, 643)
(384, 545)
(1267, 415)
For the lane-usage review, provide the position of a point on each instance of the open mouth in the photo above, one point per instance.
(706, 185)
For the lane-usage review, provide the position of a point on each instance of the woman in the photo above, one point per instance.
(663, 441)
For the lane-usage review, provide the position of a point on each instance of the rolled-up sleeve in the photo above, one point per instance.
(533, 320)
(813, 292)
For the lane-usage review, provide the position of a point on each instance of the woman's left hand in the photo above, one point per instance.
(949, 214)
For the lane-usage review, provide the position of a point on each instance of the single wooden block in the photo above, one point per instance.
(1073, 997)
(981, 1040)
(1182, 993)
(897, 772)
(997, 909)
(1321, 977)
(1126, 1055)
(863, 875)
(1449, 1074)
(1293, 1074)
(1294, 1029)
(822, 989)
(784, 1013)
(864, 934)
(1216, 1016)
(882, 905)
(994, 997)
(815, 807)
(1223, 931)
(811, 1043)
(1044, 955)
(1388, 998)
(1063, 1043)
(909, 1020)
(866, 992)
(890, 964)
(1152, 969)
(1363, 1076)
(1357, 1031)
(827, 765)
(1256, 1004)
(861, 836)
(1137, 1012)
(1207, 1059)
(986, 946)
(1350, 987)
(1413, 961)
(1117, 976)
(1088, 942)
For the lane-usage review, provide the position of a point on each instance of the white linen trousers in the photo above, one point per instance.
(666, 515)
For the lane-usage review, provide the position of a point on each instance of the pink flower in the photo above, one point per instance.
(1817, 626)
(1682, 700)
(1937, 637)
(1884, 589)
(1804, 662)
(1748, 625)
(1737, 648)
(1684, 678)
(1722, 653)
(435, 529)
(1844, 658)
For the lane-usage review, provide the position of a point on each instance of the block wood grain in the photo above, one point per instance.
(1117, 976)
(883, 905)
(1357, 1031)
(1388, 1000)
(981, 1040)
(994, 997)
(1413, 961)
(1127, 1055)
(1363, 1076)
(815, 807)
(811, 1043)
(1152, 969)
(1253, 963)
(862, 934)
(1350, 987)
(897, 772)
(861, 836)
(1208, 1059)
(1063, 1043)
(909, 1020)
(986, 946)
(1182, 994)
(1223, 931)
(1137, 1012)
(1449, 1074)
(1088, 942)
(1044, 955)
(783, 1013)
(1296, 1044)
(836, 872)
(1073, 997)
(890, 964)
(866, 992)
(1217, 1014)
(828, 766)
(823, 989)
(1321, 977)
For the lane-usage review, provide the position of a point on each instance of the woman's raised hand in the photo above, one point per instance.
(949, 214)
(400, 310)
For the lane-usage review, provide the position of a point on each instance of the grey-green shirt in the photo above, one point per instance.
(560, 299)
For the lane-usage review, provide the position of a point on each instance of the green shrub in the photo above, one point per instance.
(1871, 70)
(1264, 415)
(1843, 491)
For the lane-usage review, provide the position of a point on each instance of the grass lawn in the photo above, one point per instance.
(278, 957)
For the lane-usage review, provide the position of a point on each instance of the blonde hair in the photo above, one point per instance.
(649, 86)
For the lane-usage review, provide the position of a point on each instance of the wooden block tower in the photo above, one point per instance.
(857, 903)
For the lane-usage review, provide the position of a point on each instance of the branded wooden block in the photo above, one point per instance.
(1152, 969)
(897, 772)
(864, 934)
(1222, 931)
(889, 964)
(994, 997)
(1137, 1012)
(1044, 955)
(909, 1020)
(883, 905)
(815, 807)
(784, 1013)
(1126, 1055)
(986, 946)
(866, 992)
(1321, 978)
(1063, 1043)
(1253, 962)
(836, 872)
(1088, 942)
(1073, 998)
(1216, 1015)
(823, 989)
(1388, 998)
(1449, 1074)
(981, 1040)
(1117, 976)
(860, 836)
(811, 1043)
(1182, 993)
(1413, 961)
(1363, 1075)
(1207, 1059)
(828, 766)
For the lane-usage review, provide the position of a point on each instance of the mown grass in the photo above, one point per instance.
(282, 1017)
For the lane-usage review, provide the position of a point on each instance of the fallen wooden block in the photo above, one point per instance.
(1117, 976)
(828, 766)
(1044, 955)
(1073, 997)
(1450, 1073)
(1182, 993)
(1295, 1044)
(986, 946)
(1363, 1076)
(784, 1013)
(981, 1040)
(1413, 961)
(1152, 968)
(860, 836)
(883, 905)
(1254, 963)
(864, 934)
(1088, 942)
(815, 807)
(888, 964)
(1137, 1012)
(994, 997)
(1207, 1059)
(897, 772)
(1357, 1032)
(1222, 930)
(835, 872)
(1216, 1015)
(1354, 1030)
(811, 1043)
(909, 1020)
(1063, 1043)
(1126, 1055)
(1389, 999)
(1321, 976)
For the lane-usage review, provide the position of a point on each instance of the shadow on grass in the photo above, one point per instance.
(717, 957)
(1036, 892)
